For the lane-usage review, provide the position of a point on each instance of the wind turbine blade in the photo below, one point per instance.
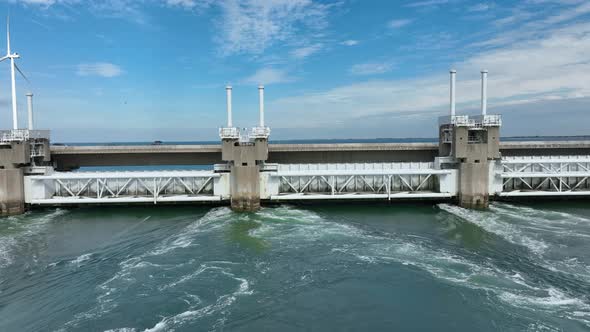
(3, 58)
(21, 73)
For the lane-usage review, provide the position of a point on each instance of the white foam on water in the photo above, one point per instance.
(559, 229)
(212, 220)
(80, 259)
(553, 298)
(203, 268)
(25, 230)
(557, 217)
(540, 327)
(550, 222)
(125, 277)
(193, 314)
(295, 228)
(492, 224)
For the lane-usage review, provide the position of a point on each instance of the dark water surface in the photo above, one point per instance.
(292, 268)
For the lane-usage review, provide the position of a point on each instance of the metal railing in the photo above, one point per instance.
(229, 133)
(477, 121)
(260, 132)
(20, 135)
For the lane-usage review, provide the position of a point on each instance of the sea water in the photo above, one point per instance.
(367, 267)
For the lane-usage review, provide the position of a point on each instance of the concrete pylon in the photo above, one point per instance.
(12, 156)
(471, 145)
(244, 161)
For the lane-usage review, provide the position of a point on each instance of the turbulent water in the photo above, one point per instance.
(290, 268)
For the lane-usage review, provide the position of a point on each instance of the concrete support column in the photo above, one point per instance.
(474, 185)
(245, 188)
(244, 161)
(474, 152)
(12, 193)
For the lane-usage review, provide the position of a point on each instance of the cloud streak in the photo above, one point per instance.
(252, 26)
(101, 69)
(543, 69)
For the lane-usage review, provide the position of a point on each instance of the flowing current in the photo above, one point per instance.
(290, 268)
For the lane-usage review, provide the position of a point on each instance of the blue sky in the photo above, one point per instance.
(131, 70)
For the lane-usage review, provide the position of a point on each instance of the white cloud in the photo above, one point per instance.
(350, 42)
(304, 52)
(371, 68)
(251, 26)
(427, 3)
(268, 76)
(523, 72)
(569, 14)
(189, 4)
(480, 7)
(245, 26)
(102, 69)
(395, 24)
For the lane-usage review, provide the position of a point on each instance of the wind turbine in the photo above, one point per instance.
(13, 66)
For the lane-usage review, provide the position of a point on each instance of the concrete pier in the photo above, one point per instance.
(471, 145)
(12, 156)
(244, 158)
(19, 150)
(12, 195)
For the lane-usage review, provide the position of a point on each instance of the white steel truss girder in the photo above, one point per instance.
(113, 187)
(359, 184)
(545, 176)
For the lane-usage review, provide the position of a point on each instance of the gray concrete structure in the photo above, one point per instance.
(12, 196)
(472, 146)
(73, 157)
(13, 155)
(19, 150)
(244, 160)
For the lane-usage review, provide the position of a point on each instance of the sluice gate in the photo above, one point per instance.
(509, 177)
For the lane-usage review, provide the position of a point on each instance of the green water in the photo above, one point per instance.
(294, 268)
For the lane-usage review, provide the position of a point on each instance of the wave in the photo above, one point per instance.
(546, 221)
(133, 267)
(290, 228)
(492, 224)
(212, 220)
(80, 259)
(193, 314)
(22, 229)
(287, 228)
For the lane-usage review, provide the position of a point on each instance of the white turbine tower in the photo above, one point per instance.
(13, 66)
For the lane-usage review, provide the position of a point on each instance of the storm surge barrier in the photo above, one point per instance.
(468, 166)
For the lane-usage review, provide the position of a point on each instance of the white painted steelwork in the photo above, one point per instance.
(477, 121)
(121, 187)
(229, 133)
(484, 92)
(261, 105)
(545, 176)
(259, 132)
(19, 135)
(453, 73)
(30, 110)
(229, 106)
(360, 181)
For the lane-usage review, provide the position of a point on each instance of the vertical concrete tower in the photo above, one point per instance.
(471, 145)
(245, 152)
